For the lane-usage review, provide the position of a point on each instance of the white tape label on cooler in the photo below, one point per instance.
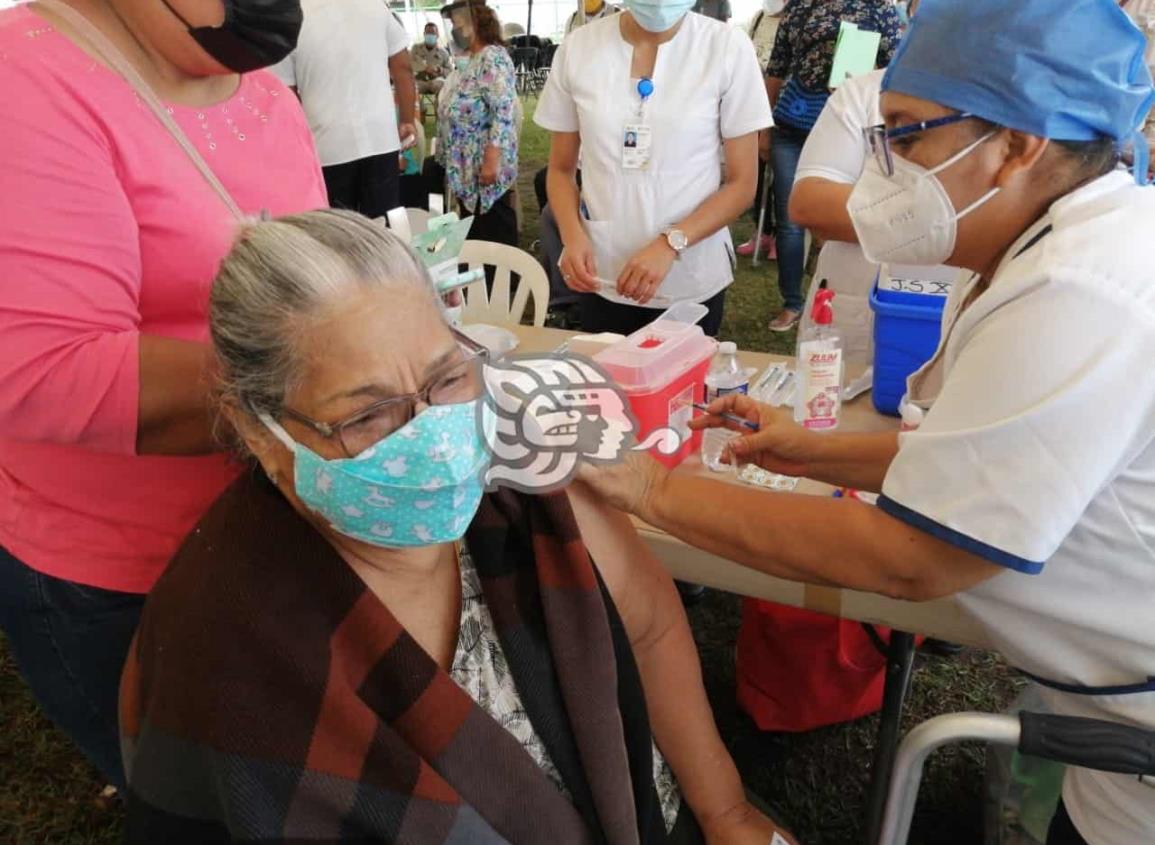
(931, 288)
(778, 839)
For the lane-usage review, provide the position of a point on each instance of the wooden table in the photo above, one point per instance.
(941, 618)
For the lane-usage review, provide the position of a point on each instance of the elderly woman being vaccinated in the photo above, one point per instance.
(357, 644)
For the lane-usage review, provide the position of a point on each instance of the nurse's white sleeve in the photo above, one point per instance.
(836, 148)
(556, 109)
(745, 106)
(1050, 396)
(396, 38)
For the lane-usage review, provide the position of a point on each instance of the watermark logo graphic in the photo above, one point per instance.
(544, 414)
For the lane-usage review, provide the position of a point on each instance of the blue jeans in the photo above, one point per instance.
(785, 150)
(70, 643)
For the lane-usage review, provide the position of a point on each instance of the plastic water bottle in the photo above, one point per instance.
(726, 375)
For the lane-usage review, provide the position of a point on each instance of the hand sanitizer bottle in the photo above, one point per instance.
(818, 399)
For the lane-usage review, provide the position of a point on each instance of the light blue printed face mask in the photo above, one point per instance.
(419, 486)
(658, 16)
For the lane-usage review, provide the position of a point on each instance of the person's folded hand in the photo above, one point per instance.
(646, 270)
(578, 268)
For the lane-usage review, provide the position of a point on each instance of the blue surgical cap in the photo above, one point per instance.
(1070, 70)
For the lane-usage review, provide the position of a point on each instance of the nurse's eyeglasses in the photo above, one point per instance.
(878, 137)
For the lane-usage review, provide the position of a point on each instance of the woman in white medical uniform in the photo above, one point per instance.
(1029, 490)
(648, 226)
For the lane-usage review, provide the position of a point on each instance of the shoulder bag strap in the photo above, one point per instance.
(117, 61)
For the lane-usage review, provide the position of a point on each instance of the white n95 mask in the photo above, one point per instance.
(908, 218)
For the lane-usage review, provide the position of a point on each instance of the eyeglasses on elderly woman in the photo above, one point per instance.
(458, 380)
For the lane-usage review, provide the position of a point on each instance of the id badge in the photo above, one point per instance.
(637, 140)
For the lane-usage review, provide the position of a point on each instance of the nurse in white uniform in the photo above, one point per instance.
(1029, 490)
(654, 101)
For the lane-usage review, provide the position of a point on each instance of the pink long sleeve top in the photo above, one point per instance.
(108, 232)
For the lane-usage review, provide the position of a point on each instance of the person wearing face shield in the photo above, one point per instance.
(1026, 491)
(109, 239)
(648, 224)
(479, 120)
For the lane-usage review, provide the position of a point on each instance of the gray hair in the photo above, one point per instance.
(282, 273)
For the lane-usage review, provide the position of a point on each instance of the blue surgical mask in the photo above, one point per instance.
(659, 16)
(419, 486)
(430, 40)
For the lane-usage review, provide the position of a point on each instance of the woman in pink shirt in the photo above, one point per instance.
(109, 241)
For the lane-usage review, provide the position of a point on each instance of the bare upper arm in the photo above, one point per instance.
(921, 566)
(820, 205)
(399, 64)
(564, 148)
(638, 583)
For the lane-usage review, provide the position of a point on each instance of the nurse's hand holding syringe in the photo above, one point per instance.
(782, 446)
(777, 445)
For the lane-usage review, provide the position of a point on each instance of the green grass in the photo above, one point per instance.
(50, 796)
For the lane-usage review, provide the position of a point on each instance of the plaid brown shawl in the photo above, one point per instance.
(269, 696)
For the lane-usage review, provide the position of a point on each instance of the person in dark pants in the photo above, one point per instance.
(790, 238)
(798, 77)
(370, 185)
(561, 297)
(499, 224)
(600, 315)
(1062, 830)
(346, 57)
(69, 642)
(479, 115)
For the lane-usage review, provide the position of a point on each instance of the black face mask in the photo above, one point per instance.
(255, 33)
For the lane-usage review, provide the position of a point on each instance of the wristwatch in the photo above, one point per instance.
(677, 240)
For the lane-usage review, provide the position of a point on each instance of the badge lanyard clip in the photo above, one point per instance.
(645, 90)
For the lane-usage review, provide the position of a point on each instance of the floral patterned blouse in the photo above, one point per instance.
(479, 668)
(804, 46)
(481, 108)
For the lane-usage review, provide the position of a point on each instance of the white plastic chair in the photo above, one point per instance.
(504, 305)
(418, 220)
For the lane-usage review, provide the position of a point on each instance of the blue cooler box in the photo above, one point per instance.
(907, 327)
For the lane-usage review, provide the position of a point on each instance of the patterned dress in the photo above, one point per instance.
(481, 108)
(804, 46)
(480, 668)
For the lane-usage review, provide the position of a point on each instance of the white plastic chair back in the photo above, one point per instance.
(504, 305)
(418, 220)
